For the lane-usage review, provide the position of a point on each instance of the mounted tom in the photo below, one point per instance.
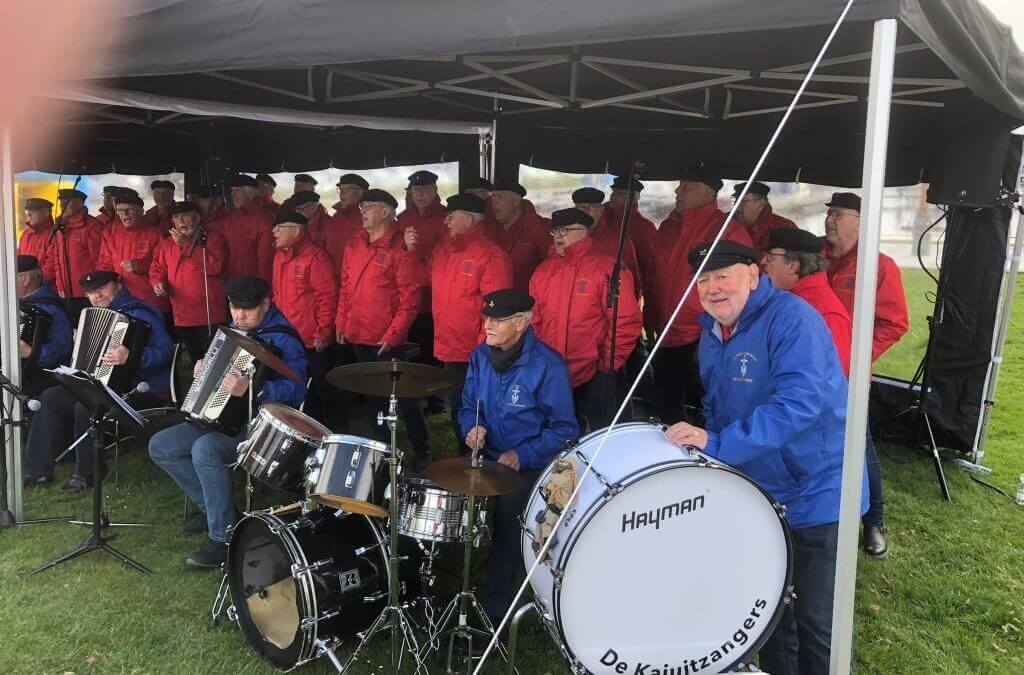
(101, 329)
(33, 327)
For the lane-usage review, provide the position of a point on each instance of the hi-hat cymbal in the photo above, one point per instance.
(380, 378)
(459, 475)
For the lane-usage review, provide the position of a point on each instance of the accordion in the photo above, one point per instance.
(206, 402)
(100, 329)
(33, 326)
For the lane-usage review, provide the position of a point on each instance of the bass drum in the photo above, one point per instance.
(296, 580)
(666, 560)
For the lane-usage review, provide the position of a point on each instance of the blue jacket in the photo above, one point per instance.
(155, 367)
(278, 388)
(775, 406)
(528, 408)
(59, 343)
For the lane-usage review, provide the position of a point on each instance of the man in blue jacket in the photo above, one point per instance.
(526, 417)
(197, 457)
(61, 418)
(55, 348)
(775, 408)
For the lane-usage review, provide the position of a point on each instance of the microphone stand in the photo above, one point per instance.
(614, 282)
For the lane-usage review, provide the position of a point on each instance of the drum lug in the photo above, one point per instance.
(367, 599)
(231, 613)
(789, 596)
(303, 570)
(556, 577)
(310, 622)
(780, 509)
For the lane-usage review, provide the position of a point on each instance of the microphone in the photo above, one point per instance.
(140, 388)
(15, 391)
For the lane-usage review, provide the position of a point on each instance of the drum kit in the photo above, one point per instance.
(356, 555)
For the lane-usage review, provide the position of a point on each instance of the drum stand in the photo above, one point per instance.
(394, 616)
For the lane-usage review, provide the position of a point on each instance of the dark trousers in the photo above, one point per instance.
(596, 402)
(196, 339)
(801, 643)
(677, 384)
(409, 408)
(505, 571)
(422, 333)
(458, 373)
(322, 401)
(876, 506)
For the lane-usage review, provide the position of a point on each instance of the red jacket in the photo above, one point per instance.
(380, 289)
(249, 231)
(815, 289)
(33, 242)
(606, 240)
(527, 242)
(106, 218)
(270, 205)
(306, 291)
(429, 226)
(315, 226)
(572, 317)
(463, 270)
(337, 231)
(84, 236)
(644, 237)
(891, 320)
(182, 276)
(765, 223)
(674, 272)
(138, 245)
(159, 220)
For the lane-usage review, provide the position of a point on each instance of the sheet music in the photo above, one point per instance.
(121, 403)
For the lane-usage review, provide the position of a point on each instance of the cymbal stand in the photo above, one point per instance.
(394, 616)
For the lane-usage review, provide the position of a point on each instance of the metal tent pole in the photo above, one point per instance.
(883, 54)
(493, 168)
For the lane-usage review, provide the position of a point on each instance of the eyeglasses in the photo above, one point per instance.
(771, 257)
(285, 225)
(562, 231)
(840, 213)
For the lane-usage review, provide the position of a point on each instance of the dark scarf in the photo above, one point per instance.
(503, 359)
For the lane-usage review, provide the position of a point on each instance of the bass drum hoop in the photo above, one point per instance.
(591, 512)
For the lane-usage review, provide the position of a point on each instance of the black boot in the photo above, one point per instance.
(209, 557)
(875, 543)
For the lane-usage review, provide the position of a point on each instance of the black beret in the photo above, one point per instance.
(506, 302)
(242, 180)
(265, 178)
(36, 203)
(288, 216)
(381, 196)
(125, 192)
(305, 178)
(353, 179)
(699, 174)
(622, 182)
(573, 216)
(27, 263)
(509, 186)
(70, 193)
(246, 292)
(164, 184)
(478, 184)
(127, 197)
(588, 195)
(93, 280)
(845, 200)
(726, 253)
(421, 178)
(466, 202)
(183, 207)
(756, 188)
(111, 190)
(795, 240)
(303, 198)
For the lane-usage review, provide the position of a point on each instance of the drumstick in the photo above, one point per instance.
(476, 441)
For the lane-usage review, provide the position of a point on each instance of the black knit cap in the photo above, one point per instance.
(289, 216)
(93, 280)
(699, 174)
(756, 188)
(71, 193)
(266, 178)
(845, 200)
(379, 196)
(466, 202)
(726, 254)
(622, 182)
(506, 302)
(161, 184)
(353, 179)
(38, 203)
(572, 216)
(305, 178)
(795, 240)
(303, 198)
(242, 180)
(588, 195)
(509, 186)
(246, 292)
(422, 178)
(183, 207)
(127, 196)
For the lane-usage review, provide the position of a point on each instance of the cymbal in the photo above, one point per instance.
(261, 353)
(459, 475)
(376, 378)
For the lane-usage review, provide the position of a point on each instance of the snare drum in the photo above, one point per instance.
(428, 512)
(349, 473)
(277, 444)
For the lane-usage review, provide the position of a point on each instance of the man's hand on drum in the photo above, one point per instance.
(235, 383)
(475, 438)
(510, 458)
(683, 433)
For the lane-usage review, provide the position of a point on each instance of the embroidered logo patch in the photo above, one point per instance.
(742, 364)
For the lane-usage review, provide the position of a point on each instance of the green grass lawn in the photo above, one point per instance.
(948, 598)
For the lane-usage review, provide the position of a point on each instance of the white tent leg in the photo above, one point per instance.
(494, 150)
(883, 53)
(9, 319)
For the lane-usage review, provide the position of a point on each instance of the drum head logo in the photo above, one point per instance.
(743, 362)
(514, 395)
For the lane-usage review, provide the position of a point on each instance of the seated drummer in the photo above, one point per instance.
(526, 417)
(198, 457)
(775, 408)
(61, 418)
(57, 343)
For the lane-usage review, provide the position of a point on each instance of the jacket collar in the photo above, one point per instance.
(575, 252)
(526, 356)
(387, 240)
(701, 213)
(295, 249)
(460, 241)
(759, 297)
(812, 282)
(122, 299)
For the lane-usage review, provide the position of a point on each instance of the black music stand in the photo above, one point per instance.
(101, 401)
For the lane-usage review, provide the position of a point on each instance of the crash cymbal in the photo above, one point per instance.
(409, 380)
(261, 353)
(459, 475)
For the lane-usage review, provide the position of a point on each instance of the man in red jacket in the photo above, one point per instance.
(38, 224)
(572, 316)
(248, 230)
(304, 183)
(755, 212)
(463, 269)
(308, 204)
(188, 269)
(696, 219)
(642, 232)
(107, 213)
(128, 245)
(842, 230)
(306, 292)
(347, 220)
(378, 301)
(605, 235)
(267, 186)
(163, 197)
(480, 187)
(74, 250)
(518, 230)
